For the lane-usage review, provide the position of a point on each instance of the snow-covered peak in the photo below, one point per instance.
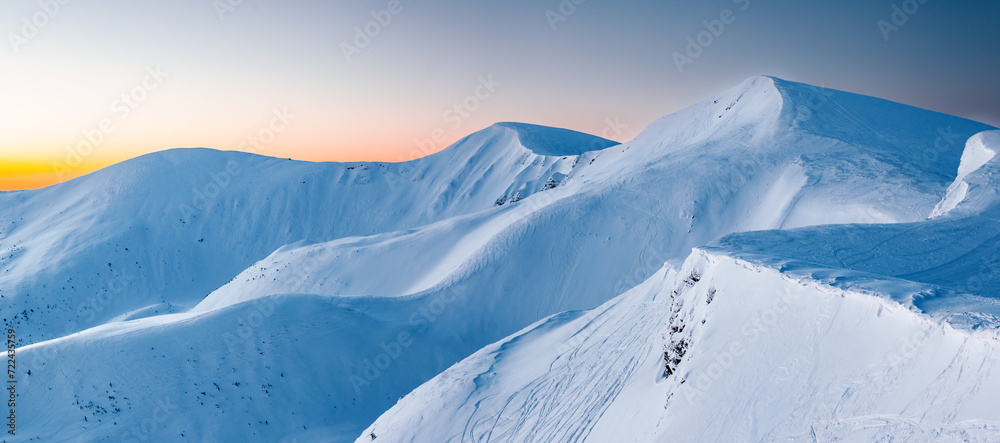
(359, 281)
(765, 109)
(505, 142)
(555, 142)
(754, 105)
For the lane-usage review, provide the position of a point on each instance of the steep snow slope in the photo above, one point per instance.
(475, 243)
(159, 232)
(957, 250)
(837, 332)
(757, 169)
(259, 371)
(753, 355)
(620, 217)
(551, 381)
(957, 257)
(975, 190)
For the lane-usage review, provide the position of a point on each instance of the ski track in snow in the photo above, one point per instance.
(536, 410)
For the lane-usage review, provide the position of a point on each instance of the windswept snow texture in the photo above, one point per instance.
(227, 296)
(977, 188)
(755, 355)
(159, 232)
(849, 332)
(554, 141)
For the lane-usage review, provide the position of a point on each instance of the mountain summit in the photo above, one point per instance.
(779, 261)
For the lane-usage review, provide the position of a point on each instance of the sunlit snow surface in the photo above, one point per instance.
(848, 246)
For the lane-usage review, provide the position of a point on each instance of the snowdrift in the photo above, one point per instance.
(157, 233)
(722, 350)
(827, 333)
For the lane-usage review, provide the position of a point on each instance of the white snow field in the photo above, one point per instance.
(528, 284)
(877, 332)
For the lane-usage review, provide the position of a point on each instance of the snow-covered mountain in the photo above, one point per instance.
(779, 261)
(848, 332)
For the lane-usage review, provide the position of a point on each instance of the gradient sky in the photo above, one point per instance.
(608, 69)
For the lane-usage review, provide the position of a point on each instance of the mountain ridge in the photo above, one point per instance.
(399, 270)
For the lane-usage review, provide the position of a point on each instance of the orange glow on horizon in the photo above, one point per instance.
(17, 175)
(26, 165)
